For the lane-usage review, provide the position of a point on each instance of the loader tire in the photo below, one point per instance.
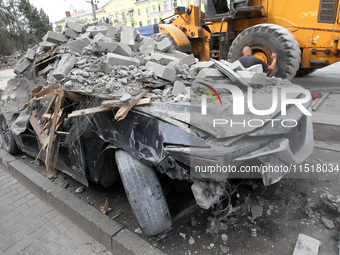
(144, 193)
(265, 39)
(7, 139)
(160, 36)
(304, 71)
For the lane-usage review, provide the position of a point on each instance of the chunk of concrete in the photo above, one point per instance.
(212, 73)
(85, 35)
(164, 45)
(30, 54)
(123, 49)
(162, 58)
(22, 66)
(94, 30)
(47, 45)
(79, 44)
(111, 31)
(306, 245)
(100, 38)
(179, 88)
(252, 77)
(119, 60)
(54, 37)
(161, 71)
(71, 33)
(148, 46)
(237, 66)
(186, 58)
(74, 25)
(104, 47)
(65, 66)
(255, 68)
(203, 64)
(128, 35)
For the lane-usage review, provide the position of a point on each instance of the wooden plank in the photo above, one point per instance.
(118, 103)
(42, 136)
(88, 111)
(107, 106)
(306, 245)
(123, 111)
(48, 59)
(51, 135)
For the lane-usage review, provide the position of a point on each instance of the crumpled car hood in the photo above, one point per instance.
(191, 114)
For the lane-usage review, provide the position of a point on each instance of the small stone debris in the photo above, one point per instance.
(193, 221)
(256, 211)
(327, 222)
(191, 240)
(224, 237)
(80, 190)
(138, 231)
(182, 235)
(224, 249)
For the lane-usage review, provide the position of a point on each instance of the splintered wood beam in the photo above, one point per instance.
(88, 111)
(124, 110)
(106, 106)
(55, 117)
(42, 136)
(48, 59)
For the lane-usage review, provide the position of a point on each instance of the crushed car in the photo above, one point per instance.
(103, 120)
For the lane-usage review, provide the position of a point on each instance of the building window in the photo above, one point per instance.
(140, 23)
(110, 18)
(159, 7)
(116, 16)
(165, 5)
(149, 22)
(173, 4)
(155, 21)
(147, 10)
(131, 16)
(154, 9)
(124, 16)
(138, 12)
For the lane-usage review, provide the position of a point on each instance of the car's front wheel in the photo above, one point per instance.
(7, 139)
(144, 193)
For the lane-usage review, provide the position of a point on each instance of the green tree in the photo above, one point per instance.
(23, 25)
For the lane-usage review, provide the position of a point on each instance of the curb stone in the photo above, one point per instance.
(106, 231)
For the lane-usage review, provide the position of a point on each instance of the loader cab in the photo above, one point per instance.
(228, 9)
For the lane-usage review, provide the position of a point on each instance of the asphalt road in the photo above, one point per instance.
(326, 77)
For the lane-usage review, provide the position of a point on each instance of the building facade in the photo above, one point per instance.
(136, 13)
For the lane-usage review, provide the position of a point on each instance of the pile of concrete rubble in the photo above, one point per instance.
(117, 62)
(109, 62)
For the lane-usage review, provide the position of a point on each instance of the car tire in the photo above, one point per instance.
(267, 39)
(144, 193)
(8, 142)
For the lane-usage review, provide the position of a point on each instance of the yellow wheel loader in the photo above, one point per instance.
(304, 34)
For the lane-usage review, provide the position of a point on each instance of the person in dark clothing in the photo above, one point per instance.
(248, 60)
